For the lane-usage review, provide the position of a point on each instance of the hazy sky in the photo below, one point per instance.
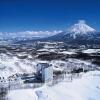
(28, 15)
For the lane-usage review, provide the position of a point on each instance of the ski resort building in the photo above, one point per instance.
(46, 71)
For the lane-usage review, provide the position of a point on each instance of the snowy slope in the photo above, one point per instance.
(27, 94)
(81, 28)
(85, 88)
(10, 65)
(91, 51)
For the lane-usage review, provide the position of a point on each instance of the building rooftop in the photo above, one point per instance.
(44, 65)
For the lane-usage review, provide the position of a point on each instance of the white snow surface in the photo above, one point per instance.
(91, 51)
(81, 27)
(10, 65)
(68, 52)
(27, 94)
(85, 88)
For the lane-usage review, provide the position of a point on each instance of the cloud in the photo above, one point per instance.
(82, 21)
(30, 34)
(39, 33)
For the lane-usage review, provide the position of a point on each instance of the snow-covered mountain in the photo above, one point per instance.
(77, 33)
(81, 27)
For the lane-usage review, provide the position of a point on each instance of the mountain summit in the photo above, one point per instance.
(81, 27)
(79, 33)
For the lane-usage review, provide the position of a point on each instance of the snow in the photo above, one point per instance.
(27, 94)
(80, 28)
(91, 51)
(70, 63)
(85, 88)
(68, 52)
(43, 50)
(10, 65)
(57, 69)
(42, 95)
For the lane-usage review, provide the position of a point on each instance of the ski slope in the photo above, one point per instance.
(85, 88)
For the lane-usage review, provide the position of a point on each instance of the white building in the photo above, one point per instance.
(46, 71)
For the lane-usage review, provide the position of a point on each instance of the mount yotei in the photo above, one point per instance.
(79, 33)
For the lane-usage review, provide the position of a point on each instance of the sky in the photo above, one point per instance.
(47, 15)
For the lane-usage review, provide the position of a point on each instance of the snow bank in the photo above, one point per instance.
(25, 94)
(85, 88)
(67, 52)
(91, 51)
(10, 65)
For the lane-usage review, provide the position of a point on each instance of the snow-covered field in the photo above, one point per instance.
(85, 88)
(10, 65)
(91, 51)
